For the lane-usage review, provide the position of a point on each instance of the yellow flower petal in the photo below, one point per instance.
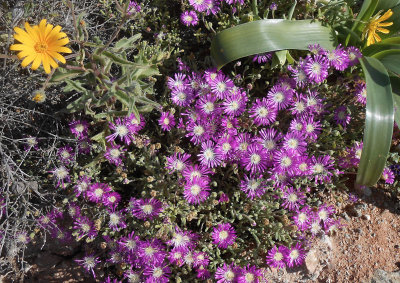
(36, 63)
(57, 56)
(46, 64)
(385, 16)
(388, 24)
(17, 47)
(377, 37)
(383, 30)
(25, 52)
(24, 39)
(28, 60)
(60, 49)
(52, 62)
(60, 42)
(31, 32)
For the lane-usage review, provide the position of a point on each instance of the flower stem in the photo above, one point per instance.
(254, 7)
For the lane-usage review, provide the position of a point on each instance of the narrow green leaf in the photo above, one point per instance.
(125, 43)
(122, 96)
(266, 36)
(117, 59)
(379, 122)
(60, 76)
(395, 83)
(291, 11)
(390, 59)
(74, 85)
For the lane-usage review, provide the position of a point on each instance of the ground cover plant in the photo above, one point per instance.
(131, 144)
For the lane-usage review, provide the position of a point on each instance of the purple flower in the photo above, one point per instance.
(114, 154)
(255, 159)
(151, 251)
(183, 239)
(273, 6)
(192, 171)
(82, 185)
(263, 112)
(79, 128)
(250, 274)
(235, 104)
(189, 18)
(299, 74)
(111, 199)
(200, 259)
(293, 199)
(22, 237)
(116, 220)
(88, 262)
(61, 174)
(338, 58)
(296, 255)
(207, 105)
(146, 208)
(198, 131)
(276, 256)
(213, 7)
(294, 141)
(302, 218)
(134, 123)
(132, 276)
(262, 58)
(121, 130)
(354, 54)
(341, 116)
(221, 86)
(176, 256)
(227, 273)
(321, 166)
(31, 143)
(130, 242)
(177, 162)
(324, 212)
(243, 140)
(157, 273)
(97, 192)
(85, 227)
(178, 83)
(84, 146)
(226, 147)
(65, 154)
(317, 68)
(209, 157)
(279, 96)
(310, 127)
(285, 162)
(224, 235)
(316, 49)
(253, 186)
(361, 93)
(133, 7)
(269, 139)
(388, 176)
(196, 190)
(200, 5)
(74, 210)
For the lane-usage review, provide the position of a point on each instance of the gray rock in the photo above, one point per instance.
(367, 192)
(381, 276)
(312, 262)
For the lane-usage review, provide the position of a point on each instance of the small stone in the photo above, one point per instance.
(359, 231)
(381, 276)
(367, 192)
(345, 216)
(311, 262)
(366, 217)
(373, 234)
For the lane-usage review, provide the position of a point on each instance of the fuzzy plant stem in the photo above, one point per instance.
(254, 7)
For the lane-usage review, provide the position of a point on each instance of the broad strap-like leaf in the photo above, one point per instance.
(266, 36)
(387, 4)
(390, 59)
(379, 122)
(386, 44)
(395, 83)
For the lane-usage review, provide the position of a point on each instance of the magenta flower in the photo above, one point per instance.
(255, 159)
(97, 192)
(85, 227)
(192, 171)
(226, 147)
(213, 7)
(179, 82)
(62, 175)
(224, 235)
(269, 139)
(133, 7)
(285, 162)
(79, 129)
(114, 154)
(121, 130)
(354, 54)
(175, 256)
(200, 259)
(293, 199)
(189, 18)
(317, 68)
(280, 97)
(263, 112)
(157, 273)
(324, 212)
(198, 131)
(134, 123)
(116, 220)
(82, 185)
(182, 97)
(31, 143)
(388, 176)
(263, 57)
(253, 187)
(207, 105)
(227, 273)
(294, 141)
(341, 116)
(66, 155)
(197, 190)
(183, 239)
(321, 166)
(299, 74)
(338, 58)
(243, 140)
(276, 256)
(235, 104)
(310, 128)
(74, 210)
(316, 49)
(111, 199)
(177, 162)
(302, 218)
(151, 251)
(88, 262)
(209, 157)
(361, 93)
(166, 121)
(221, 86)
(250, 274)
(200, 5)
(296, 255)
(146, 208)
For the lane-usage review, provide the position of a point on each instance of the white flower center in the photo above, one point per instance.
(249, 277)
(286, 161)
(114, 219)
(278, 256)
(302, 217)
(61, 173)
(188, 19)
(209, 107)
(293, 143)
(229, 275)
(149, 251)
(318, 168)
(121, 130)
(279, 97)
(85, 228)
(292, 198)
(221, 86)
(195, 189)
(198, 130)
(157, 272)
(300, 106)
(323, 215)
(166, 121)
(234, 105)
(226, 146)
(303, 166)
(223, 235)
(255, 158)
(181, 95)
(98, 192)
(209, 154)
(147, 208)
(310, 128)
(316, 68)
(294, 254)
(115, 153)
(79, 128)
(262, 112)
(269, 144)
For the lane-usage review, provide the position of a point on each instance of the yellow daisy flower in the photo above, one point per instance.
(375, 25)
(40, 44)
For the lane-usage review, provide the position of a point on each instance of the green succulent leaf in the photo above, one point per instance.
(266, 36)
(385, 44)
(126, 43)
(62, 75)
(395, 82)
(379, 122)
(390, 59)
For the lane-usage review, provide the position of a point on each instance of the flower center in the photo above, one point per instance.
(79, 128)
(278, 256)
(147, 208)
(157, 273)
(316, 68)
(149, 251)
(293, 143)
(292, 198)
(318, 168)
(226, 146)
(221, 86)
(234, 105)
(209, 107)
(85, 228)
(114, 219)
(195, 190)
(270, 144)
(223, 235)
(209, 154)
(166, 121)
(286, 161)
(41, 47)
(121, 130)
(262, 112)
(249, 277)
(98, 192)
(302, 217)
(188, 19)
(61, 173)
(181, 95)
(112, 199)
(310, 128)
(229, 275)
(115, 153)
(278, 97)
(255, 158)
(198, 130)
(294, 254)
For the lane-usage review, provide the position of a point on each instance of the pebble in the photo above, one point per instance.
(345, 216)
(359, 230)
(367, 191)
(367, 217)
(373, 234)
